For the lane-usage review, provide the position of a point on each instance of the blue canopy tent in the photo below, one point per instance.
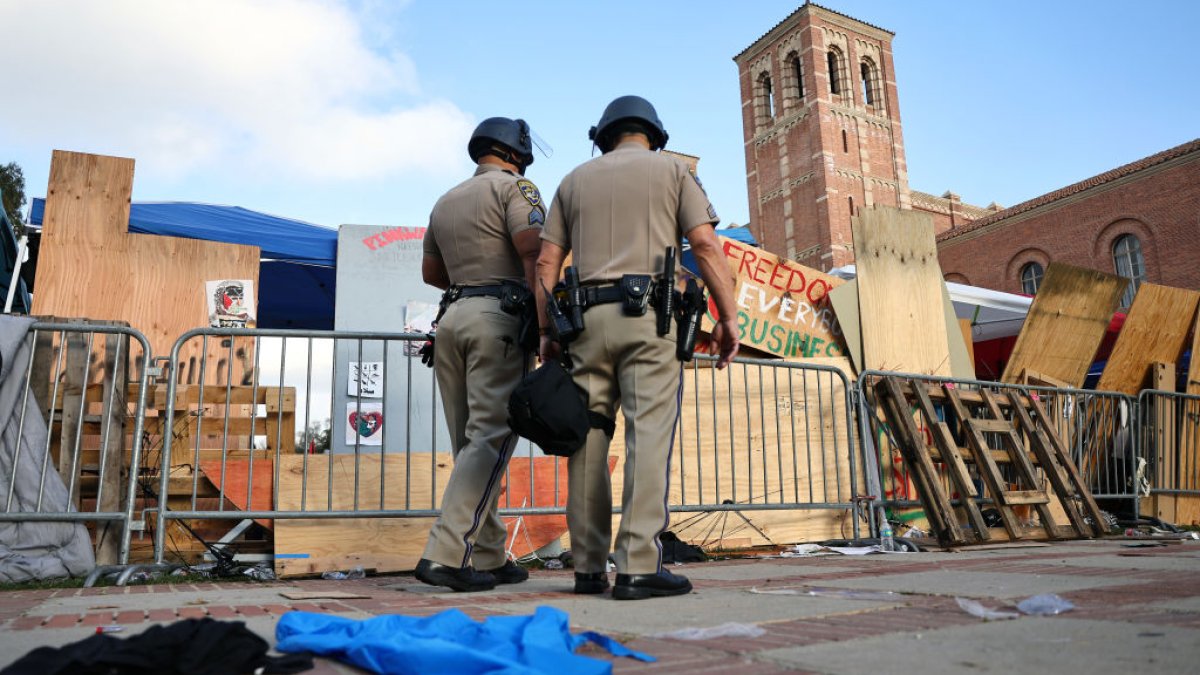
(296, 277)
(741, 234)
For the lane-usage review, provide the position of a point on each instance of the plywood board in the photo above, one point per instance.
(844, 300)
(793, 448)
(782, 305)
(416, 482)
(90, 266)
(1155, 331)
(1066, 323)
(900, 293)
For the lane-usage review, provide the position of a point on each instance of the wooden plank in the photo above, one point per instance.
(965, 326)
(309, 546)
(1155, 330)
(1019, 497)
(949, 452)
(1024, 470)
(782, 306)
(235, 478)
(190, 395)
(912, 445)
(900, 292)
(90, 266)
(1066, 323)
(988, 470)
(1063, 457)
(115, 408)
(1064, 490)
(1163, 440)
(75, 375)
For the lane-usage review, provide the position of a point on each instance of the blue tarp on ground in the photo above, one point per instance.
(296, 278)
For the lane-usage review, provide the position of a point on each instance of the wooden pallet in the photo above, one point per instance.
(1010, 429)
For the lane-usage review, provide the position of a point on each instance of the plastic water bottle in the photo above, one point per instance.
(885, 536)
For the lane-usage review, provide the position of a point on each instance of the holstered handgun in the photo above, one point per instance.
(687, 320)
(561, 329)
(574, 299)
(665, 300)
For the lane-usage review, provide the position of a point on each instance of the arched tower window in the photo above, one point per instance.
(870, 82)
(1031, 278)
(1129, 263)
(796, 71)
(835, 71)
(765, 100)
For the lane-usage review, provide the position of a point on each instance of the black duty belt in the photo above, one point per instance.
(603, 294)
(490, 291)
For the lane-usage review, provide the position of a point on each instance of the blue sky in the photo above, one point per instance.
(358, 112)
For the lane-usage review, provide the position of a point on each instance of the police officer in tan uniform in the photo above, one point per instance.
(617, 214)
(481, 245)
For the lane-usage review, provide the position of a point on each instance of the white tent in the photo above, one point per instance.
(993, 314)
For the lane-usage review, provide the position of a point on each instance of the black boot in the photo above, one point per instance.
(641, 586)
(591, 583)
(461, 579)
(508, 573)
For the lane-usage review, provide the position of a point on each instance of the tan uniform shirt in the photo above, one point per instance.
(472, 226)
(637, 203)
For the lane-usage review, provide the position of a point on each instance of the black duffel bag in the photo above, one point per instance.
(552, 412)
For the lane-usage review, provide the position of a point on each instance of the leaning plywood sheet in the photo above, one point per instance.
(1155, 331)
(759, 435)
(1067, 321)
(900, 293)
(397, 482)
(844, 300)
(90, 266)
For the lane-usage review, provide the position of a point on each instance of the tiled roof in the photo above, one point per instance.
(1094, 181)
(800, 9)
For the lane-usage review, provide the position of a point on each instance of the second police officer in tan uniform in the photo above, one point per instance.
(481, 245)
(617, 214)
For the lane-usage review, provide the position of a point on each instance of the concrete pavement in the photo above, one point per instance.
(1136, 609)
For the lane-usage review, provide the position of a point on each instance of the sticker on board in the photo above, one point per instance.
(230, 303)
(364, 423)
(365, 379)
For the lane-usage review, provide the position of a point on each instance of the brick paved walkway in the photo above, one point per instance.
(827, 614)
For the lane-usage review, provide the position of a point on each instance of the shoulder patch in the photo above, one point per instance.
(712, 213)
(536, 217)
(699, 184)
(530, 192)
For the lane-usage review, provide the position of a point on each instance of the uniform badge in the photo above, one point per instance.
(699, 184)
(530, 192)
(536, 217)
(712, 213)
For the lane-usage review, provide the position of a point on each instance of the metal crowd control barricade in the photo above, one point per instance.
(76, 390)
(1098, 429)
(758, 436)
(1170, 444)
(761, 436)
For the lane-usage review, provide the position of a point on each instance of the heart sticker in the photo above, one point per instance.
(368, 423)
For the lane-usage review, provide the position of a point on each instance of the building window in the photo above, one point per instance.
(851, 210)
(1031, 278)
(1129, 262)
(797, 72)
(870, 82)
(835, 71)
(765, 100)
(845, 142)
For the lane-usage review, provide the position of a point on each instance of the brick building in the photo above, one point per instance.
(821, 126)
(1141, 221)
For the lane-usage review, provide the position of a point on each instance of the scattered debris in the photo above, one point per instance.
(746, 630)
(975, 608)
(322, 595)
(1046, 604)
(357, 573)
(841, 593)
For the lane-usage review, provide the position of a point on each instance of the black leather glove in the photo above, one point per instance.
(426, 352)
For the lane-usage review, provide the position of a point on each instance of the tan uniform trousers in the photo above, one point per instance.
(623, 364)
(478, 363)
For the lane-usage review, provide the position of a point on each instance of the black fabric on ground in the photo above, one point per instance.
(675, 550)
(188, 647)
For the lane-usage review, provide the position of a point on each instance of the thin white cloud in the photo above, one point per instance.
(287, 87)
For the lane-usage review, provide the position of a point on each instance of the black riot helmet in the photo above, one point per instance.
(628, 108)
(512, 135)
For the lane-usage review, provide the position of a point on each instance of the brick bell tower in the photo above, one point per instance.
(821, 124)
